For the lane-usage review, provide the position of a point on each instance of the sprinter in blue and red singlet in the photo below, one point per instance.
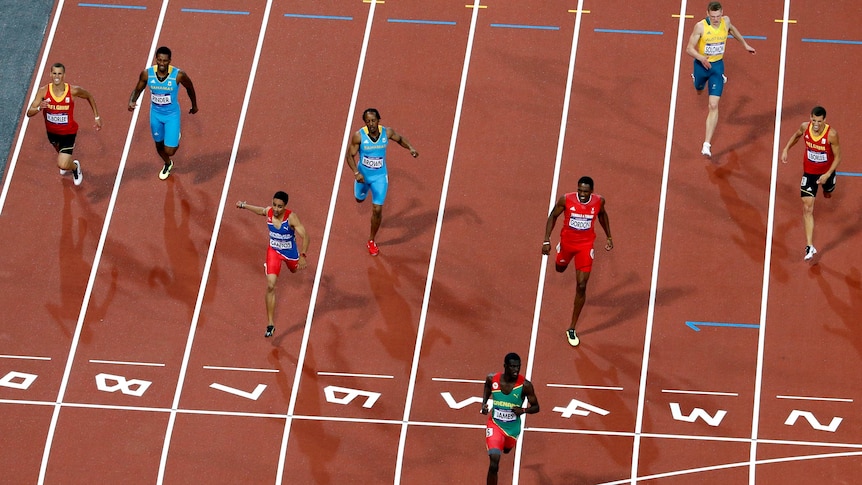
(706, 45)
(284, 228)
(56, 101)
(507, 391)
(164, 81)
(819, 162)
(370, 172)
(581, 209)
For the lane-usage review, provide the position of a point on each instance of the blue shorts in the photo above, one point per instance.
(378, 184)
(165, 128)
(714, 77)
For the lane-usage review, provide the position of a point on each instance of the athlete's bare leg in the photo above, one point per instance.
(492, 468)
(808, 219)
(270, 297)
(376, 217)
(580, 296)
(711, 118)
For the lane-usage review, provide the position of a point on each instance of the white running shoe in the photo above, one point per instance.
(705, 151)
(77, 174)
(809, 252)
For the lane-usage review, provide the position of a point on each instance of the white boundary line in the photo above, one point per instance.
(120, 362)
(24, 357)
(244, 369)
(348, 374)
(767, 258)
(211, 251)
(813, 398)
(435, 247)
(324, 244)
(52, 428)
(10, 169)
(658, 241)
(558, 161)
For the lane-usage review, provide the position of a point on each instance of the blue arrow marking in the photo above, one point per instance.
(696, 325)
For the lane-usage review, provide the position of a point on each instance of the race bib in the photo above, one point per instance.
(713, 49)
(504, 415)
(276, 244)
(579, 222)
(58, 118)
(816, 157)
(160, 99)
(372, 162)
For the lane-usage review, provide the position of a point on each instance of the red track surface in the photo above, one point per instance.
(155, 299)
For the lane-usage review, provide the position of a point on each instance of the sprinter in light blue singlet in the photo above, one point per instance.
(369, 171)
(164, 81)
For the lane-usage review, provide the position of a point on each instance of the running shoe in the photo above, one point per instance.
(705, 151)
(166, 170)
(269, 330)
(572, 337)
(809, 252)
(372, 248)
(77, 174)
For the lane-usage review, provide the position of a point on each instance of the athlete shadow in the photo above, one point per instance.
(848, 311)
(399, 335)
(747, 217)
(757, 122)
(181, 279)
(414, 225)
(848, 232)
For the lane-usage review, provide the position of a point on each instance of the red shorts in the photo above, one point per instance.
(582, 254)
(496, 439)
(273, 262)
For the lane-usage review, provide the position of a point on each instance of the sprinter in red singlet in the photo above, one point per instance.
(57, 104)
(581, 208)
(819, 162)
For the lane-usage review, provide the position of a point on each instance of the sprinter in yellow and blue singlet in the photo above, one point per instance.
(706, 45)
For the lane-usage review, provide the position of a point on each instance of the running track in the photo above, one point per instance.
(132, 347)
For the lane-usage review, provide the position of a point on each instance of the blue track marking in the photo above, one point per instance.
(834, 41)
(227, 12)
(519, 26)
(751, 37)
(318, 17)
(696, 325)
(102, 5)
(428, 22)
(625, 31)
(850, 174)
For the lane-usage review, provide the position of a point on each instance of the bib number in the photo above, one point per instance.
(281, 244)
(161, 99)
(504, 415)
(816, 157)
(372, 162)
(579, 223)
(713, 49)
(58, 118)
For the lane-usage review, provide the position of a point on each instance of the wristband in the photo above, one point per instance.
(548, 243)
(242, 205)
(303, 255)
(97, 118)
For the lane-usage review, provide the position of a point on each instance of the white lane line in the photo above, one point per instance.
(211, 251)
(24, 357)
(324, 245)
(767, 259)
(246, 369)
(467, 381)
(812, 398)
(10, 168)
(121, 362)
(97, 258)
(580, 386)
(558, 161)
(658, 242)
(435, 247)
(347, 374)
(703, 393)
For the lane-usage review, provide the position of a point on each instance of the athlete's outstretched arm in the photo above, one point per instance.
(606, 225)
(390, 133)
(552, 220)
(261, 211)
(792, 141)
